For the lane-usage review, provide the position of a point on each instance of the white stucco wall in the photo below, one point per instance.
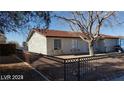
(99, 46)
(109, 43)
(37, 44)
(45, 45)
(68, 46)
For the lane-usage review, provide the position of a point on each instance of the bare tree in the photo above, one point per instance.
(89, 23)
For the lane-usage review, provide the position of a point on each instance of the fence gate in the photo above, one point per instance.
(78, 69)
(84, 68)
(71, 70)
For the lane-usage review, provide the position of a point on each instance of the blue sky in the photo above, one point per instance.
(57, 25)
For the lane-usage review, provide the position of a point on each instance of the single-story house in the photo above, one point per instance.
(54, 42)
(2, 39)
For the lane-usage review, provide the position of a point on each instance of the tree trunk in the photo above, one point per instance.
(91, 50)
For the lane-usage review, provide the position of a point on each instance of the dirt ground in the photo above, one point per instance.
(53, 70)
(8, 59)
(110, 67)
(50, 68)
(11, 68)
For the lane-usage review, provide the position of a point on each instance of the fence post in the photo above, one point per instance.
(78, 70)
(64, 70)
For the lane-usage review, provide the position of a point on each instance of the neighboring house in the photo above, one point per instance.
(2, 39)
(53, 42)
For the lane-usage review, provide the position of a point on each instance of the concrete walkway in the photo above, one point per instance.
(82, 55)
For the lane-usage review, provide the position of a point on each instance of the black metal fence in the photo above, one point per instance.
(87, 68)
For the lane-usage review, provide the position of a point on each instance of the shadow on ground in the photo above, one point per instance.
(94, 70)
(17, 70)
(50, 68)
(102, 69)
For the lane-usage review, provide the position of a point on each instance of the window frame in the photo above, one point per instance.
(57, 46)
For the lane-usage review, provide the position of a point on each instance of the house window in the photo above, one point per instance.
(57, 44)
(74, 43)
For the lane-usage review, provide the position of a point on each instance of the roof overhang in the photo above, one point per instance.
(64, 34)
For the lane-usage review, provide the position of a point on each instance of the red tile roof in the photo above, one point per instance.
(57, 33)
(109, 36)
(67, 34)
